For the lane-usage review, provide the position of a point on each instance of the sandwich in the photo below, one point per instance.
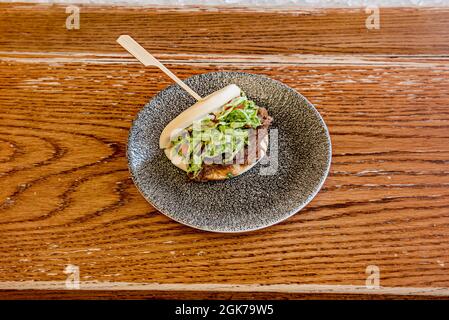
(219, 137)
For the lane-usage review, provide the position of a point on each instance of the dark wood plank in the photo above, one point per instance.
(189, 295)
(27, 27)
(385, 202)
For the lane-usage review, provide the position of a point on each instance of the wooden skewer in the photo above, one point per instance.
(148, 60)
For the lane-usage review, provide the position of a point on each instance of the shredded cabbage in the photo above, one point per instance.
(219, 137)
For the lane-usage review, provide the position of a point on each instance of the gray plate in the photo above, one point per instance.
(252, 200)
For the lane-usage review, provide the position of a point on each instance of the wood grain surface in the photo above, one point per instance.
(67, 99)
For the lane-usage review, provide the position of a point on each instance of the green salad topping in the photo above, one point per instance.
(219, 137)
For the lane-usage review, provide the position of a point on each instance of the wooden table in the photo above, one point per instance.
(67, 99)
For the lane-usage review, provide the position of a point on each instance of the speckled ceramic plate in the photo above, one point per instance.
(261, 197)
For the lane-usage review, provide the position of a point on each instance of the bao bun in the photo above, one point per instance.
(198, 111)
